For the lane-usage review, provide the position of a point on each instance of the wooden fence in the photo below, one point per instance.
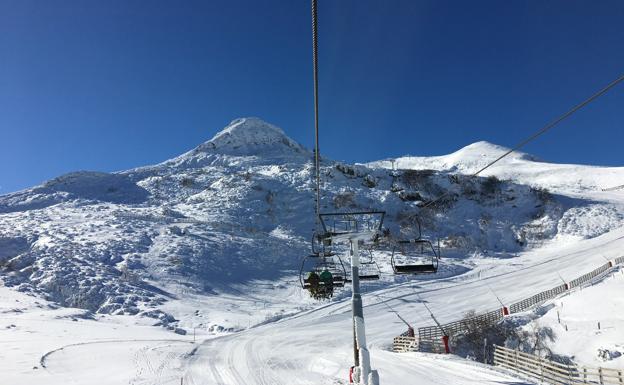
(404, 344)
(430, 337)
(554, 372)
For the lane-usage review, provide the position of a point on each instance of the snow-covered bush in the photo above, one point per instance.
(369, 181)
(187, 182)
(480, 335)
(410, 196)
(535, 340)
(344, 200)
(542, 194)
(347, 170)
(416, 178)
(491, 186)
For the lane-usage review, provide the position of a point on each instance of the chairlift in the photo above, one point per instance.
(416, 256)
(313, 280)
(369, 269)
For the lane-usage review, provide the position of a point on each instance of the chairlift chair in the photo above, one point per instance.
(337, 270)
(363, 225)
(369, 269)
(417, 256)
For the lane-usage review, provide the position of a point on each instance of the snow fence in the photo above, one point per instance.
(435, 338)
(554, 372)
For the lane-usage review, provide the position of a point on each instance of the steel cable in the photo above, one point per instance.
(539, 132)
(316, 119)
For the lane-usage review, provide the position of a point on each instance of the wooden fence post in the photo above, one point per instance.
(584, 375)
(600, 376)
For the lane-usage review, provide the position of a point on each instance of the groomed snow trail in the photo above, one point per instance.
(279, 356)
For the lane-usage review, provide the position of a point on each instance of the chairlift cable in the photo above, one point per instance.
(316, 108)
(540, 132)
(613, 188)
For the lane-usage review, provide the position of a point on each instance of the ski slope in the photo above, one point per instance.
(314, 347)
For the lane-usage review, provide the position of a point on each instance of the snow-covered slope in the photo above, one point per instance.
(212, 240)
(466, 160)
(517, 166)
(588, 324)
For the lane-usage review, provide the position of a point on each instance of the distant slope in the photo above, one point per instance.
(517, 166)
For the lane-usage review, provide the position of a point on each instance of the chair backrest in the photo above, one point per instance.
(362, 225)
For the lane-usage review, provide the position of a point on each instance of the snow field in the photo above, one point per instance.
(581, 311)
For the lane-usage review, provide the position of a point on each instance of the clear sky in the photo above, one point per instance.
(114, 84)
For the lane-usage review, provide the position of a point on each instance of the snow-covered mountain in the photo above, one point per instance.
(215, 236)
(239, 207)
(517, 166)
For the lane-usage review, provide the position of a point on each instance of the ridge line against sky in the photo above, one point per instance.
(112, 85)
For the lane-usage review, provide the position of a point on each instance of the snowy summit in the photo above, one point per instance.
(251, 136)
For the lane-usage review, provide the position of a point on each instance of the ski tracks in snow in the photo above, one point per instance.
(235, 359)
(153, 362)
(155, 365)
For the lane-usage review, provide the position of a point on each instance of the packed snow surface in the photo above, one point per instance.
(189, 268)
(588, 323)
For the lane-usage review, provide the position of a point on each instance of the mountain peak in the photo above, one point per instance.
(467, 159)
(490, 151)
(251, 136)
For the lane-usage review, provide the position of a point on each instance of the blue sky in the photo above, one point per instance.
(110, 85)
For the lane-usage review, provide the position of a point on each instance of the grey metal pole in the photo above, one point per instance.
(356, 355)
(358, 320)
(355, 282)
